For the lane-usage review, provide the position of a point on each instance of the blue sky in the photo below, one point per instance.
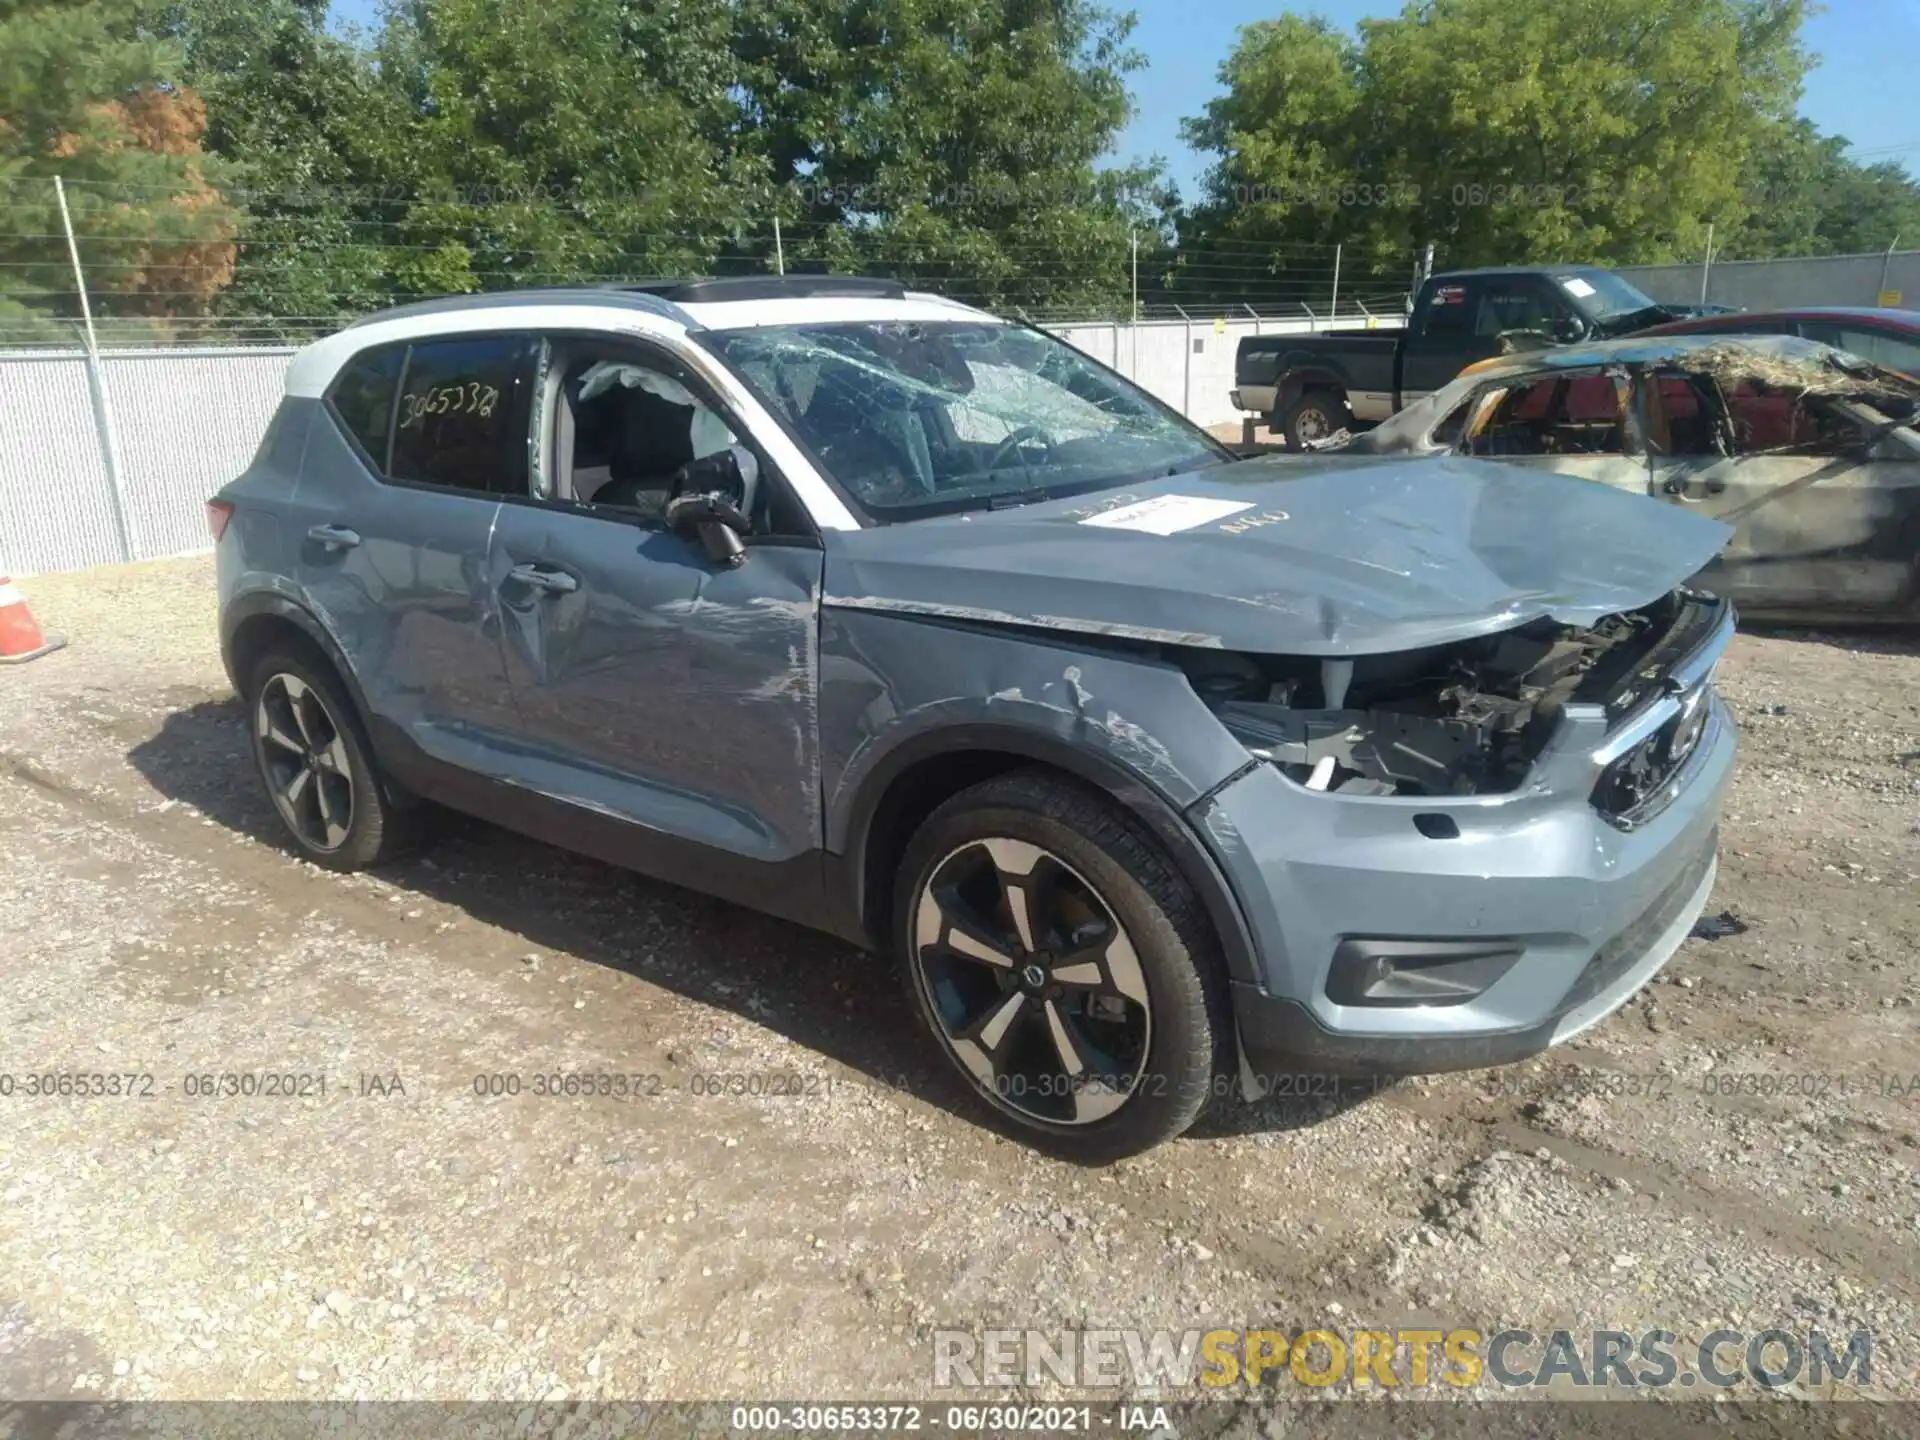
(1859, 88)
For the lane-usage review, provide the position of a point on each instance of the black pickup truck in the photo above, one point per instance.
(1310, 386)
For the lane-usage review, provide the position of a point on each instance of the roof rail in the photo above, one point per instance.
(640, 297)
(660, 296)
(774, 287)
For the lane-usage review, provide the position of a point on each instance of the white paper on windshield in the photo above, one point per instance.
(1167, 514)
(1574, 285)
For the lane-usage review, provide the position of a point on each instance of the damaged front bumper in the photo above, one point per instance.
(1408, 934)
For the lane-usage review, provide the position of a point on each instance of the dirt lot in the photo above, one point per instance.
(403, 1236)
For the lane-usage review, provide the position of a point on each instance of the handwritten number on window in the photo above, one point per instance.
(471, 397)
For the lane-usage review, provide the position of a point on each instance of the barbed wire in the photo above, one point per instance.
(129, 332)
(359, 264)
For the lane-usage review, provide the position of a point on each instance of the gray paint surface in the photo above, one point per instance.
(888, 680)
(718, 742)
(542, 691)
(1330, 557)
(410, 606)
(1529, 866)
(751, 714)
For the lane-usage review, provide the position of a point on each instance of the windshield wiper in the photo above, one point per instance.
(1203, 462)
(1010, 499)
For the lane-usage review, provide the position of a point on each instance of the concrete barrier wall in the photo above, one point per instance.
(1786, 284)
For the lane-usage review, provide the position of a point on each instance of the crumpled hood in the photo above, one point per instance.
(1285, 555)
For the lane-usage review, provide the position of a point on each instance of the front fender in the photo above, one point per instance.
(897, 692)
(887, 679)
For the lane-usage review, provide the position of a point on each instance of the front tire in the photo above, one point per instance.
(317, 765)
(1064, 967)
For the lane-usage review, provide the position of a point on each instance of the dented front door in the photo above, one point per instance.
(657, 688)
(1824, 520)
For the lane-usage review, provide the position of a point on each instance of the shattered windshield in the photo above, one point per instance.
(924, 418)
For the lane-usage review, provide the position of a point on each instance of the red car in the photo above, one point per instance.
(1886, 337)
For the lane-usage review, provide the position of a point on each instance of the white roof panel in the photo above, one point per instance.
(829, 310)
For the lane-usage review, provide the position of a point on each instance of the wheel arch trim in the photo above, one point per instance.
(1167, 825)
(272, 604)
(1296, 382)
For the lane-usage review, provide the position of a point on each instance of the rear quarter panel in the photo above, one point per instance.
(258, 553)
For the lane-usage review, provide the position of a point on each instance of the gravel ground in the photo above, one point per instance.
(402, 1236)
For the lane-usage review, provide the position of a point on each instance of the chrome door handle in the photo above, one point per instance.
(334, 537)
(554, 582)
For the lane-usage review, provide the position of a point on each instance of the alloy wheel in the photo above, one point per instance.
(304, 758)
(1036, 985)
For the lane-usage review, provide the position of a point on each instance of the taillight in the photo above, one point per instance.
(219, 512)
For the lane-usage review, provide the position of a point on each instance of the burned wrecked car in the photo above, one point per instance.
(1159, 773)
(1809, 452)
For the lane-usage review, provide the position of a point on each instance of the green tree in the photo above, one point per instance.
(1609, 130)
(1805, 197)
(952, 142)
(477, 144)
(83, 96)
(1293, 155)
(301, 119)
(572, 139)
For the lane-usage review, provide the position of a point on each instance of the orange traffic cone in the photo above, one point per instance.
(20, 637)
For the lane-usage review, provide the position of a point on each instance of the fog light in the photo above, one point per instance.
(1416, 972)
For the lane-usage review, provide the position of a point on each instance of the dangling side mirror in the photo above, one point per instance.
(713, 500)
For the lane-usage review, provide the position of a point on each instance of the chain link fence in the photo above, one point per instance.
(114, 460)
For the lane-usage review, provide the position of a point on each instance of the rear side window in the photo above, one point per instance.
(1449, 312)
(1876, 345)
(362, 398)
(462, 418)
(1768, 419)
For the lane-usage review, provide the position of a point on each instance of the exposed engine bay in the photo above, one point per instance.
(1467, 718)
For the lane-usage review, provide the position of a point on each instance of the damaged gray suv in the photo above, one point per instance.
(1163, 773)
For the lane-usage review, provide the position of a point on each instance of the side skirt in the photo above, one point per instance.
(810, 889)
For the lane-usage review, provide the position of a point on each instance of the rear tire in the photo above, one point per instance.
(1313, 416)
(1064, 967)
(317, 765)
